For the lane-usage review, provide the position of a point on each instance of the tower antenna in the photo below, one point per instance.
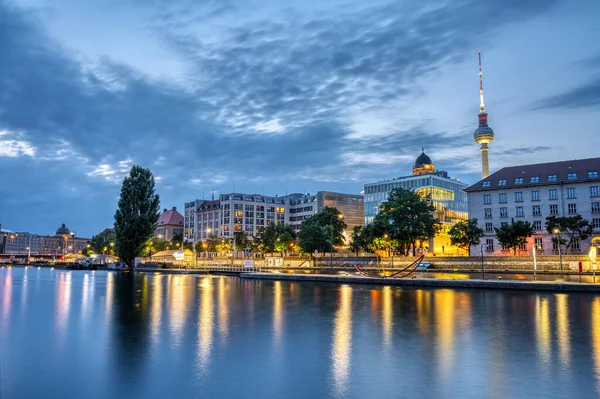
(481, 105)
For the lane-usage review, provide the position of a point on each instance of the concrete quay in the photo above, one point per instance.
(431, 283)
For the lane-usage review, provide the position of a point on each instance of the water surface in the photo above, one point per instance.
(98, 334)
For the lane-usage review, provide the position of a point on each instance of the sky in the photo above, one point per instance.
(278, 97)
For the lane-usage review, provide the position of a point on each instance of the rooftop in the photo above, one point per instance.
(577, 170)
(170, 217)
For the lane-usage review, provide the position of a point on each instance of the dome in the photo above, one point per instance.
(62, 230)
(483, 131)
(422, 160)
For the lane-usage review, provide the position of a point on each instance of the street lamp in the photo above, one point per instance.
(339, 216)
(557, 232)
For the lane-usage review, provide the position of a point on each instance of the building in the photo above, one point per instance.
(21, 243)
(249, 212)
(447, 195)
(63, 241)
(303, 206)
(483, 134)
(532, 193)
(169, 224)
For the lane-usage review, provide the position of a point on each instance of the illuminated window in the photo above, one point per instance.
(538, 244)
(239, 213)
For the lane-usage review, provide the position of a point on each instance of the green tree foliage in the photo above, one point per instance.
(514, 234)
(224, 245)
(241, 240)
(137, 214)
(408, 218)
(313, 237)
(266, 237)
(357, 240)
(466, 234)
(102, 240)
(211, 244)
(571, 229)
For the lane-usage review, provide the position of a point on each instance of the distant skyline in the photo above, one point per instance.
(297, 97)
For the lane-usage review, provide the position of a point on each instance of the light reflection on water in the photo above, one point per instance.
(185, 336)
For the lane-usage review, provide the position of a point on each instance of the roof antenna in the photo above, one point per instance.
(213, 194)
(481, 105)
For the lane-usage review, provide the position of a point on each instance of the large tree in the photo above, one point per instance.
(274, 238)
(465, 234)
(571, 229)
(137, 214)
(314, 237)
(358, 240)
(514, 234)
(241, 240)
(408, 218)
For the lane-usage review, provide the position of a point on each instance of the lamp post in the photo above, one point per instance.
(339, 216)
(557, 232)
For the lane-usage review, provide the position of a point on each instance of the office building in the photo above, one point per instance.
(533, 193)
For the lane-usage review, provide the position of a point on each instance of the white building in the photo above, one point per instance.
(532, 193)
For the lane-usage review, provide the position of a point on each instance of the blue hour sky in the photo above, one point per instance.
(276, 97)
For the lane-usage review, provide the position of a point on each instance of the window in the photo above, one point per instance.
(489, 227)
(593, 191)
(537, 225)
(249, 228)
(502, 198)
(554, 209)
(535, 195)
(539, 244)
(537, 211)
(249, 207)
(238, 206)
(596, 223)
(489, 244)
(572, 176)
(249, 199)
(249, 214)
(519, 180)
(575, 244)
(486, 184)
(502, 182)
(535, 179)
(593, 174)
(552, 194)
(259, 199)
(572, 209)
(520, 211)
(487, 199)
(595, 207)
(554, 244)
(237, 220)
(519, 196)
(522, 247)
(488, 213)
(503, 212)
(571, 192)
(249, 221)
(280, 210)
(551, 177)
(238, 213)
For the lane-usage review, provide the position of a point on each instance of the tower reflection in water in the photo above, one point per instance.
(342, 342)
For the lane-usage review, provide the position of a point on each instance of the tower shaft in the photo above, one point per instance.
(485, 167)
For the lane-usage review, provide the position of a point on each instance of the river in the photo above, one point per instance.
(99, 334)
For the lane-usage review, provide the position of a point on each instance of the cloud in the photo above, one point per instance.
(10, 146)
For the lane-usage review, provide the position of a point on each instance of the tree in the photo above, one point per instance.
(408, 218)
(514, 234)
(224, 245)
(266, 239)
(357, 240)
(212, 242)
(136, 215)
(313, 238)
(102, 240)
(330, 217)
(466, 234)
(241, 241)
(571, 229)
(286, 240)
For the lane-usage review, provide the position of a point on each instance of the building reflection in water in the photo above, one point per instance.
(110, 294)
(443, 301)
(542, 331)
(85, 299)
(277, 312)
(179, 299)
(205, 326)
(595, 333)
(6, 296)
(423, 302)
(223, 311)
(342, 342)
(387, 315)
(63, 304)
(156, 308)
(563, 331)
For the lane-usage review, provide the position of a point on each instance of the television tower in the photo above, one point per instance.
(483, 134)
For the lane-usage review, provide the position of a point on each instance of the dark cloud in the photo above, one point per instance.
(264, 103)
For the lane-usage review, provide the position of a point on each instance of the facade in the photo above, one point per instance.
(447, 195)
(62, 242)
(170, 224)
(249, 212)
(532, 193)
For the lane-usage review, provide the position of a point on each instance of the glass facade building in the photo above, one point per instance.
(447, 194)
